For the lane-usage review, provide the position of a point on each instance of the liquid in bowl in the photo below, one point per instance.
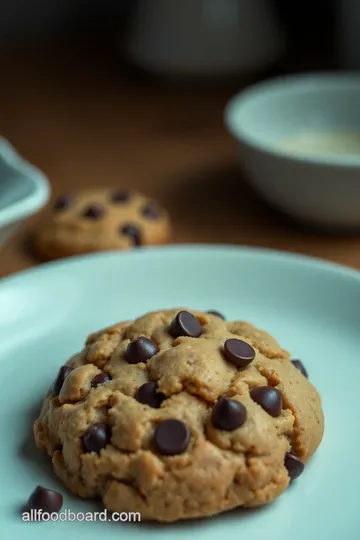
(324, 143)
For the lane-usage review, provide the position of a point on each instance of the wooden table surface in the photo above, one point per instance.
(85, 121)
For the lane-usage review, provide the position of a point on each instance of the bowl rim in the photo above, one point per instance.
(39, 192)
(286, 84)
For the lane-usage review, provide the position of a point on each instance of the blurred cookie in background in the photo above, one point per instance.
(101, 220)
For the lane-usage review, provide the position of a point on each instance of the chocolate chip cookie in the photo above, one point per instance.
(180, 414)
(101, 220)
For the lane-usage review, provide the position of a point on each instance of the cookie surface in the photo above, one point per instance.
(178, 415)
(101, 220)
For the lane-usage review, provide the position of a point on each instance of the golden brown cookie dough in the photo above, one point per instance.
(178, 415)
(101, 220)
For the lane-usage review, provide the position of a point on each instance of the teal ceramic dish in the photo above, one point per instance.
(23, 190)
(311, 307)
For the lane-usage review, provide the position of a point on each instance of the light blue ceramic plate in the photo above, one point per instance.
(312, 307)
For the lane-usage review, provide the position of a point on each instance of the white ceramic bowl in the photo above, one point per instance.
(23, 190)
(322, 189)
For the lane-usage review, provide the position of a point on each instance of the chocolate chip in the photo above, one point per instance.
(238, 352)
(46, 500)
(140, 350)
(96, 437)
(95, 211)
(151, 210)
(228, 414)
(133, 232)
(300, 366)
(120, 196)
(63, 201)
(268, 398)
(294, 466)
(217, 314)
(147, 394)
(101, 378)
(171, 437)
(59, 381)
(185, 324)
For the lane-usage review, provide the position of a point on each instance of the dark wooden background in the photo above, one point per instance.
(74, 109)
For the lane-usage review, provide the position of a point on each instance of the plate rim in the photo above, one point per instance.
(307, 262)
